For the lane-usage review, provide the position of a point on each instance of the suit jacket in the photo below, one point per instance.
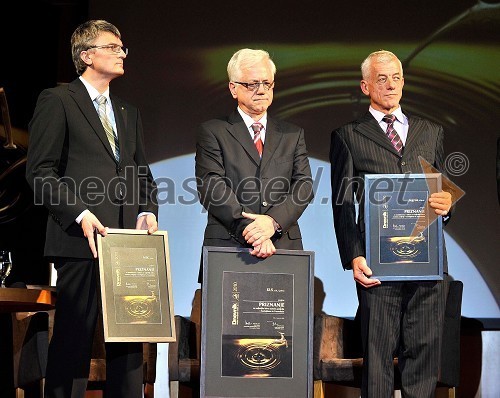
(361, 147)
(233, 178)
(71, 167)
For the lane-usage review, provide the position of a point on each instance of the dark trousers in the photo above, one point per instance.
(71, 344)
(403, 319)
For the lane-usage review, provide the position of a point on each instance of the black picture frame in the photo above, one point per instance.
(136, 286)
(403, 235)
(257, 323)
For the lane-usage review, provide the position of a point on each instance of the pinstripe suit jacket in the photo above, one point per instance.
(361, 147)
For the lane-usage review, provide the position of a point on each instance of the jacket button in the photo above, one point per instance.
(264, 203)
(403, 163)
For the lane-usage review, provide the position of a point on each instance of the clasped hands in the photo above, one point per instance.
(91, 223)
(258, 233)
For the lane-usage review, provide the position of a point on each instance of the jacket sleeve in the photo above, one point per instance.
(147, 187)
(214, 189)
(47, 131)
(292, 205)
(344, 183)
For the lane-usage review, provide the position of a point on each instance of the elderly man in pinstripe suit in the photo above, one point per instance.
(403, 318)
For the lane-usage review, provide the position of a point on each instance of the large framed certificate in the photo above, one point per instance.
(257, 319)
(135, 282)
(404, 238)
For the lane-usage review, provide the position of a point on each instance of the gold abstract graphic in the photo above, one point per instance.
(260, 354)
(406, 247)
(140, 306)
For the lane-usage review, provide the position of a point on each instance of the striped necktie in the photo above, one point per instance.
(106, 123)
(391, 132)
(257, 127)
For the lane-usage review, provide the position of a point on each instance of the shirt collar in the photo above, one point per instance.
(249, 121)
(380, 115)
(93, 91)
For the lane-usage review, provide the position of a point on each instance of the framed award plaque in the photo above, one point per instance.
(257, 319)
(404, 237)
(135, 282)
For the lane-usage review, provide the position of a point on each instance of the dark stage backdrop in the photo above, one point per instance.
(179, 51)
(175, 73)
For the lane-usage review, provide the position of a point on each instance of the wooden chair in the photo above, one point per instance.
(30, 338)
(337, 356)
(184, 354)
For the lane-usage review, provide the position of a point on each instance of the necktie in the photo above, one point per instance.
(391, 133)
(257, 127)
(106, 123)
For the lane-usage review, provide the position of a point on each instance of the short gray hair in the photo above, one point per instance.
(382, 56)
(84, 36)
(247, 57)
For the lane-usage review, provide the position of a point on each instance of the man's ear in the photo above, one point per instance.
(232, 89)
(85, 57)
(364, 87)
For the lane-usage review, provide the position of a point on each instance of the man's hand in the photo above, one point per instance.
(259, 230)
(89, 223)
(264, 250)
(147, 221)
(440, 202)
(361, 272)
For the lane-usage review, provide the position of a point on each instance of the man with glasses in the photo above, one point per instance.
(402, 318)
(86, 164)
(252, 169)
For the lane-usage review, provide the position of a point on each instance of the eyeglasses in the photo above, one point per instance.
(255, 86)
(113, 47)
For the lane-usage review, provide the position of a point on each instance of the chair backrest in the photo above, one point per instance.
(184, 354)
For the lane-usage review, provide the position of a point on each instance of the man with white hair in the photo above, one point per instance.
(403, 318)
(253, 171)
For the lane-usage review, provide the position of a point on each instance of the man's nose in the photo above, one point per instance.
(260, 89)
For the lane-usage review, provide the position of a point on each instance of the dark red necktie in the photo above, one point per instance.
(391, 132)
(257, 127)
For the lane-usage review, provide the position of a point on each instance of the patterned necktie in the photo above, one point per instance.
(106, 123)
(391, 132)
(257, 127)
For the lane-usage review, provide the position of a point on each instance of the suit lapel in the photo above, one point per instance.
(83, 101)
(273, 139)
(240, 132)
(415, 128)
(121, 120)
(369, 127)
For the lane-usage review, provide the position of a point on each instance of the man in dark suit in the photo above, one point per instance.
(86, 164)
(396, 317)
(253, 171)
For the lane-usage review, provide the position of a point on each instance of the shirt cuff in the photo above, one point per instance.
(82, 214)
(145, 213)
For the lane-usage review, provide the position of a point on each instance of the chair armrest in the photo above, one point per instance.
(327, 341)
(183, 357)
(30, 333)
(150, 355)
